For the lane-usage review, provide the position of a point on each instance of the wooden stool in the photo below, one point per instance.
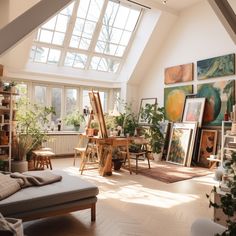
(42, 158)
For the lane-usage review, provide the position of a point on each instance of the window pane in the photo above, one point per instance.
(80, 61)
(121, 17)
(71, 99)
(45, 36)
(69, 60)
(120, 51)
(95, 9)
(100, 47)
(32, 53)
(110, 49)
(74, 42)
(94, 63)
(22, 90)
(54, 56)
(110, 13)
(103, 98)
(84, 43)
(62, 23)
(50, 24)
(83, 8)
(41, 54)
(132, 20)
(56, 103)
(79, 25)
(58, 38)
(88, 29)
(40, 94)
(125, 38)
(86, 100)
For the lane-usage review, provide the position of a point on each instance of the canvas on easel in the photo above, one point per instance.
(98, 112)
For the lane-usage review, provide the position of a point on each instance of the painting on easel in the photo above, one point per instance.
(98, 112)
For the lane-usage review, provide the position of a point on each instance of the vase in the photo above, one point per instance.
(157, 157)
(77, 127)
(117, 164)
(19, 166)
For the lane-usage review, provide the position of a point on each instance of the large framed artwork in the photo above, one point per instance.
(193, 110)
(220, 97)
(207, 146)
(179, 145)
(144, 102)
(216, 67)
(180, 73)
(174, 98)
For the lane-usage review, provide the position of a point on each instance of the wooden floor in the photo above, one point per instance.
(131, 205)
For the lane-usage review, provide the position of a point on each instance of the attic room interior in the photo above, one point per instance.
(117, 117)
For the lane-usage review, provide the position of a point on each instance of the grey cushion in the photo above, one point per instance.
(8, 186)
(71, 188)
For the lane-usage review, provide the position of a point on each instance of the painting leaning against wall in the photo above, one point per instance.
(216, 67)
(174, 98)
(219, 99)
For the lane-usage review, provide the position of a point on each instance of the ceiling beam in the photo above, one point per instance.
(24, 24)
(226, 15)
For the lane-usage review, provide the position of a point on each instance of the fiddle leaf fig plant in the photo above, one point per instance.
(154, 115)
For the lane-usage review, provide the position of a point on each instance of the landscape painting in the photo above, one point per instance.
(174, 99)
(219, 99)
(180, 73)
(216, 67)
(179, 146)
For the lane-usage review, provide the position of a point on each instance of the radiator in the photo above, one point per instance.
(62, 144)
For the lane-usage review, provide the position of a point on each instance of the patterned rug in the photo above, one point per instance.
(170, 173)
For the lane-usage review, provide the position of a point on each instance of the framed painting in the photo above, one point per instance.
(179, 145)
(144, 102)
(193, 110)
(207, 146)
(220, 97)
(174, 98)
(180, 73)
(216, 67)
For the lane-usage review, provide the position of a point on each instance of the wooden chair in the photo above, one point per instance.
(81, 147)
(141, 153)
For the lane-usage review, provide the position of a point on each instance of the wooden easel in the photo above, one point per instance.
(104, 144)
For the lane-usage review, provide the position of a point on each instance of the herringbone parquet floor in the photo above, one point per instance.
(131, 205)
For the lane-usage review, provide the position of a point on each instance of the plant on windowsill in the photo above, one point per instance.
(228, 198)
(30, 133)
(75, 118)
(154, 115)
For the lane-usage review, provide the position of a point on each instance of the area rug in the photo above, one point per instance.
(170, 173)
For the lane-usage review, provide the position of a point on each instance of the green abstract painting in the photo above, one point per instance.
(174, 98)
(219, 99)
(216, 67)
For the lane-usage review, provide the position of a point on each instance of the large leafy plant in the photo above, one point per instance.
(75, 118)
(154, 115)
(227, 199)
(30, 130)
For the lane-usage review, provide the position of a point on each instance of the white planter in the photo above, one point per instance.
(157, 157)
(19, 166)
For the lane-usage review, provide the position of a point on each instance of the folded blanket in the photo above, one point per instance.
(35, 178)
(8, 186)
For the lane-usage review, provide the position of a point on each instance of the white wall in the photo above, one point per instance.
(196, 35)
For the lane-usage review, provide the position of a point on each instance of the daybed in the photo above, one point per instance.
(70, 194)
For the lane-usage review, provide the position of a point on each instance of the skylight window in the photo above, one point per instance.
(87, 34)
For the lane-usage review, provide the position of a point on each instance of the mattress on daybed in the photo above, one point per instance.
(69, 190)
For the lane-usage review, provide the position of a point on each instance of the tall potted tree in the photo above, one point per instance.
(30, 131)
(154, 115)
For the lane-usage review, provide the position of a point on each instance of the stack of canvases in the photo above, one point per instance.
(199, 114)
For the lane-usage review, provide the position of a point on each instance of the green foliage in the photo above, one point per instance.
(74, 118)
(154, 116)
(127, 119)
(228, 200)
(31, 120)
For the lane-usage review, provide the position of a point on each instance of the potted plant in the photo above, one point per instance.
(30, 132)
(75, 118)
(227, 196)
(154, 115)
